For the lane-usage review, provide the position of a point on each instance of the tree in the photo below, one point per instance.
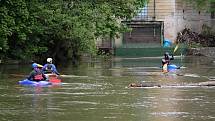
(60, 28)
(16, 27)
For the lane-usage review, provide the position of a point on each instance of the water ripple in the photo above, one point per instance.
(80, 102)
(167, 114)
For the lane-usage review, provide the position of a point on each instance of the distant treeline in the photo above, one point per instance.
(62, 29)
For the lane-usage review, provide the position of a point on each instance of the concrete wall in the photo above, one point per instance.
(118, 40)
(177, 15)
(165, 11)
(205, 51)
(187, 16)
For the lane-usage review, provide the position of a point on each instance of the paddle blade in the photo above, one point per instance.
(176, 48)
(165, 68)
(39, 66)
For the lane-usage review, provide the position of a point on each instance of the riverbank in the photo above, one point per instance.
(202, 51)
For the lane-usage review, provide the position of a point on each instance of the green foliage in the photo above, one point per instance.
(208, 5)
(60, 28)
(16, 29)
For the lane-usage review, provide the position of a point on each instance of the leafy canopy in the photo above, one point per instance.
(60, 28)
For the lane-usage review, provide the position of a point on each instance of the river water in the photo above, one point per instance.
(96, 90)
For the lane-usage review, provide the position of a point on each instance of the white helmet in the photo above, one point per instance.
(49, 60)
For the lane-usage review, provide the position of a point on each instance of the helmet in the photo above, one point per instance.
(49, 60)
(34, 65)
(166, 53)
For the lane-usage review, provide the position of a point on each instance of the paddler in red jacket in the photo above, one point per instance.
(36, 74)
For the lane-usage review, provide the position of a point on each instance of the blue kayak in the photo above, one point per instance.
(173, 67)
(27, 82)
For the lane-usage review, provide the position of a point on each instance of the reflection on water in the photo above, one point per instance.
(97, 90)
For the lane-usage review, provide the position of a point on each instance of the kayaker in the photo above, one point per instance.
(167, 58)
(49, 67)
(36, 74)
(166, 61)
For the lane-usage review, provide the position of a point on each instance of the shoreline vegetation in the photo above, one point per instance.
(64, 30)
(201, 51)
(36, 30)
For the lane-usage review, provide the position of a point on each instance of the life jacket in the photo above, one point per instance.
(165, 62)
(38, 76)
(165, 68)
(49, 68)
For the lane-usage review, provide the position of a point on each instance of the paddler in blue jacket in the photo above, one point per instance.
(167, 58)
(36, 74)
(49, 67)
(166, 61)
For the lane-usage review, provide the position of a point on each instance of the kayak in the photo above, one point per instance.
(27, 82)
(173, 67)
(44, 83)
(170, 67)
(52, 80)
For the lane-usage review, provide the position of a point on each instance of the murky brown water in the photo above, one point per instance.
(97, 90)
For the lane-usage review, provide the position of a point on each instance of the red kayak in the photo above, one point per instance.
(53, 78)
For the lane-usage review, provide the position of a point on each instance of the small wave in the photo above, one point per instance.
(180, 99)
(166, 114)
(80, 102)
(191, 75)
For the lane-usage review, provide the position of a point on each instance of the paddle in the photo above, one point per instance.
(165, 68)
(71, 76)
(176, 48)
(52, 75)
(39, 65)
